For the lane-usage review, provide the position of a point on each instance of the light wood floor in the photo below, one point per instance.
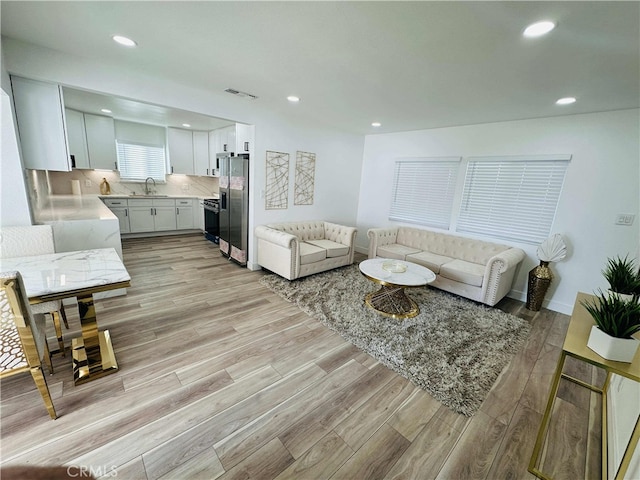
(220, 378)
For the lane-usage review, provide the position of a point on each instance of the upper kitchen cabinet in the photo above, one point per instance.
(244, 138)
(201, 153)
(101, 141)
(39, 109)
(180, 144)
(234, 139)
(77, 137)
(92, 140)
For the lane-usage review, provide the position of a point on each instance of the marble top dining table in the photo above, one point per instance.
(79, 274)
(56, 276)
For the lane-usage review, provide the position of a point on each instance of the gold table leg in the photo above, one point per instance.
(544, 426)
(391, 301)
(93, 355)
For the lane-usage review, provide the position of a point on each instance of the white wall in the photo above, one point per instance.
(339, 155)
(602, 180)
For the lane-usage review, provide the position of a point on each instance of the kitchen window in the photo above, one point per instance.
(514, 198)
(423, 190)
(137, 162)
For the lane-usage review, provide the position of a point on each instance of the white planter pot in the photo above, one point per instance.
(626, 297)
(612, 348)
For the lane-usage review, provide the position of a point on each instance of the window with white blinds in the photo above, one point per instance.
(423, 190)
(138, 162)
(514, 198)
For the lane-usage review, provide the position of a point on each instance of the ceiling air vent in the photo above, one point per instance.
(238, 93)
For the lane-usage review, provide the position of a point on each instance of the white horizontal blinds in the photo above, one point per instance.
(423, 191)
(138, 162)
(512, 198)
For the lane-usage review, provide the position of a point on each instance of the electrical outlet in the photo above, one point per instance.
(625, 219)
(87, 182)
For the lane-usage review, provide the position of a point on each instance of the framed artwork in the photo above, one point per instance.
(276, 195)
(304, 178)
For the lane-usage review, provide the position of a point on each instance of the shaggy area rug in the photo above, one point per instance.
(454, 349)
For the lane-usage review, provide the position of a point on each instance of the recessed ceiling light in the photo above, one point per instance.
(186, 125)
(565, 101)
(538, 29)
(106, 110)
(127, 42)
(293, 98)
(376, 124)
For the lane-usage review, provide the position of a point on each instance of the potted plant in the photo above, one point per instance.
(616, 321)
(623, 277)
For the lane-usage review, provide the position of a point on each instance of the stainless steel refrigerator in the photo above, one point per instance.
(234, 206)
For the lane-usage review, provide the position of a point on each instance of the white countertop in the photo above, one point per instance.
(61, 208)
(64, 208)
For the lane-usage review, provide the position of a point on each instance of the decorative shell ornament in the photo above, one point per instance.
(553, 249)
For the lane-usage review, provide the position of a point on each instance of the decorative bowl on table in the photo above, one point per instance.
(394, 266)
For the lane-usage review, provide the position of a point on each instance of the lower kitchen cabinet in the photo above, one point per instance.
(123, 218)
(145, 215)
(152, 215)
(184, 214)
(119, 207)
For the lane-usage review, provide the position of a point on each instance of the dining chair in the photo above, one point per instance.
(23, 241)
(23, 341)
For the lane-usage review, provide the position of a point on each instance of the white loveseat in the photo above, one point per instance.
(298, 249)
(479, 270)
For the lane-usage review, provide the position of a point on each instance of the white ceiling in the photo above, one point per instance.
(409, 65)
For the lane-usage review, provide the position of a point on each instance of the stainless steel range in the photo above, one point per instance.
(212, 219)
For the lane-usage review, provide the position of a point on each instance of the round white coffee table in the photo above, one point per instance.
(394, 276)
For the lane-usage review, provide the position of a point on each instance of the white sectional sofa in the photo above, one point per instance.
(298, 249)
(479, 270)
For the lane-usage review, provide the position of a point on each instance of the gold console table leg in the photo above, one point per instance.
(93, 355)
(544, 426)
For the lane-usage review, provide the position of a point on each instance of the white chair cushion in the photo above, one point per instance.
(430, 260)
(311, 254)
(333, 249)
(464, 272)
(396, 251)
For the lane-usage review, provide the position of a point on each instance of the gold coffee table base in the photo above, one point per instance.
(391, 301)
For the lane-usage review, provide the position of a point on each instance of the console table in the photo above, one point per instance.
(575, 345)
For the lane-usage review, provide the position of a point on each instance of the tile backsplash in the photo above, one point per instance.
(60, 184)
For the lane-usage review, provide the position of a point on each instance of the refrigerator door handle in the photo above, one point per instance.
(223, 201)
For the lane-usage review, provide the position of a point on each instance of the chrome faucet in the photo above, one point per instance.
(146, 185)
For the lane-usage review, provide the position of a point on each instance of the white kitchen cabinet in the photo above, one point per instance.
(123, 218)
(77, 136)
(92, 140)
(184, 213)
(101, 141)
(228, 138)
(244, 138)
(180, 144)
(198, 215)
(39, 110)
(152, 215)
(119, 207)
(234, 139)
(164, 218)
(201, 153)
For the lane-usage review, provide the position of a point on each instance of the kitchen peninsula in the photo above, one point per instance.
(80, 222)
